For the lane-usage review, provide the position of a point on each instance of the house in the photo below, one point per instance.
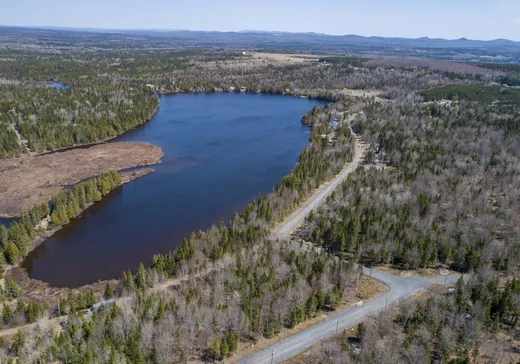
(334, 123)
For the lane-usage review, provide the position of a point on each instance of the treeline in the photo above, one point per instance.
(473, 93)
(9, 143)
(318, 162)
(352, 61)
(114, 91)
(16, 240)
(459, 327)
(235, 283)
(68, 204)
(266, 289)
(48, 118)
(446, 197)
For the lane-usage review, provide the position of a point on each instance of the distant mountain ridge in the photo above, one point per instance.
(354, 39)
(462, 50)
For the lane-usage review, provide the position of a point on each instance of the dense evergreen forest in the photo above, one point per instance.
(504, 94)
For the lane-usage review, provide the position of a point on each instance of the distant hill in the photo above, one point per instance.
(309, 37)
(499, 50)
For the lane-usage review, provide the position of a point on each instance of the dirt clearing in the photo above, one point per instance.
(33, 180)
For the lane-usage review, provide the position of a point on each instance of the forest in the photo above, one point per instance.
(445, 197)
(455, 327)
(16, 241)
(265, 278)
(504, 94)
(244, 272)
(111, 91)
(439, 189)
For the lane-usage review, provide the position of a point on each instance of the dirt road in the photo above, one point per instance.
(400, 288)
(280, 232)
(298, 217)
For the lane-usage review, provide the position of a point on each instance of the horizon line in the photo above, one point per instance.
(54, 27)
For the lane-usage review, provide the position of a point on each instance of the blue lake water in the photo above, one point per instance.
(6, 222)
(221, 150)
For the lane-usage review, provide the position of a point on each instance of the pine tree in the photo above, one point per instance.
(96, 195)
(224, 349)
(12, 253)
(34, 312)
(161, 311)
(141, 277)
(90, 298)
(7, 313)
(4, 237)
(109, 292)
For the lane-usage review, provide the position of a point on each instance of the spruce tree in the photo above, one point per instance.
(109, 292)
(12, 253)
(4, 237)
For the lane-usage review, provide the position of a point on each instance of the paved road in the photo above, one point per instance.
(400, 288)
(297, 218)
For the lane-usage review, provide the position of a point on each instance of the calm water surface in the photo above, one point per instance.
(6, 221)
(220, 151)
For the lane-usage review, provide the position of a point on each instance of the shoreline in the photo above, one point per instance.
(306, 95)
(42, 236)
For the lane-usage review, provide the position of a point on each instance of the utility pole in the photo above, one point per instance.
(445, 281)
(371, 266)
(386, 305)
(272, 357)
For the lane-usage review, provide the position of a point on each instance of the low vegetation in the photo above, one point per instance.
(33, 180)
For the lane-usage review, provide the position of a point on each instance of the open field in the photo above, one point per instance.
(285, 57)
(34, 180)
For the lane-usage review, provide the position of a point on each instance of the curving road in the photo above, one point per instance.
(400, 288)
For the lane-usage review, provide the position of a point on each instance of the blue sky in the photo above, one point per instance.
(475, 19)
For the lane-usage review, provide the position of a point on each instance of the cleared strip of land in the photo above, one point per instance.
(33, 180)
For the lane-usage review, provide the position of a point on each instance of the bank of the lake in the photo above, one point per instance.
(221, 150)
(46, 228)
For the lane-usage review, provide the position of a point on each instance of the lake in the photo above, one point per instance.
(220, 151)
(6, 221)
